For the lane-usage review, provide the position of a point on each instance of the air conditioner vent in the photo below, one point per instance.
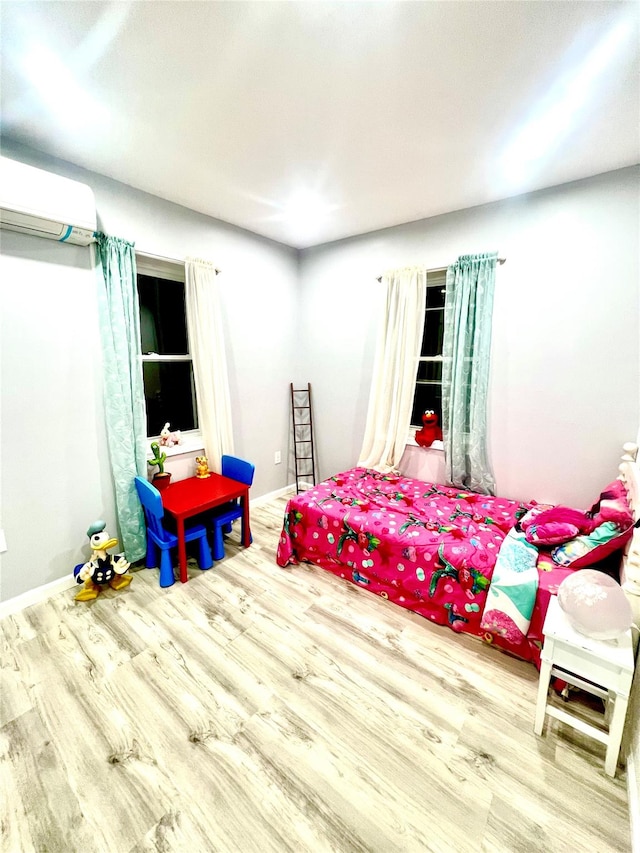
(37, 202)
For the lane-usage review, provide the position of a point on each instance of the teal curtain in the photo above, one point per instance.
(465, 371)
(123, 385)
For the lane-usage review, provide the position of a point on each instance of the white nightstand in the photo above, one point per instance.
(597, 666)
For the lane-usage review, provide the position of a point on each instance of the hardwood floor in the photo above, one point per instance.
(265, 709)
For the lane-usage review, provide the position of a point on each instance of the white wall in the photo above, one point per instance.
(55, 478)
(565, 374)
(565, 364)
(55, 470)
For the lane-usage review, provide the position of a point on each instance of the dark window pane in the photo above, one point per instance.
(430, 371)
(433, 331)
(435, 296)
(426, 397)
(169, 395)
(163, 324)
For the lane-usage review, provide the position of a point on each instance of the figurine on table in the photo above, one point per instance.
(202, 467)
(102, 568)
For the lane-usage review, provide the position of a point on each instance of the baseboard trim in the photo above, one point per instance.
(633, 799)
(263, 499)
(42, 593)
(35, 596)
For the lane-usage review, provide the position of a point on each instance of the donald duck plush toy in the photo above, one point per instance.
(102, 568)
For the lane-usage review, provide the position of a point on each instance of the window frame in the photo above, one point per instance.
(170, 271)
(438, 279)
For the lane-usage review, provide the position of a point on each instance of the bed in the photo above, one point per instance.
(457, 558)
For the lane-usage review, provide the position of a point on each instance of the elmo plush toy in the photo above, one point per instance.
(430, 431)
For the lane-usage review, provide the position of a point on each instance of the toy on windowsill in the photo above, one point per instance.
(168, 438)
(202, 467)
(102, 569)
(430, 431)
(162, 478)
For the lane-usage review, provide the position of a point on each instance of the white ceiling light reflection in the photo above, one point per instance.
(306, 213)
(59, 90)
(558, 114)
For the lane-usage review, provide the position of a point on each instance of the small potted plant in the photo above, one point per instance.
(162, 478)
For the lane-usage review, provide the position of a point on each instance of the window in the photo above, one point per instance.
(428, 393)
(166, 363)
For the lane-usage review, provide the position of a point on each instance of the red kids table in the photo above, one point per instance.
(190, 497)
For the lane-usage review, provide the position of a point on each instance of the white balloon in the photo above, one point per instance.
(595, 604)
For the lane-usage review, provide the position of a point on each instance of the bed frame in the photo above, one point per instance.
(630, 569)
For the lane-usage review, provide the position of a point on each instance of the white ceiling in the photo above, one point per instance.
(387, 112)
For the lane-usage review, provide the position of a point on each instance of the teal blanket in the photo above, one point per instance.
(512, 593)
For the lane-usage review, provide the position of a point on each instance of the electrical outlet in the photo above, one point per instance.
(278, 458)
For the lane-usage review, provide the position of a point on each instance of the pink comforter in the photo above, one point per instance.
(428, 548)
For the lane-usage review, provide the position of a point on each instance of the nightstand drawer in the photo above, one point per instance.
(584, 663)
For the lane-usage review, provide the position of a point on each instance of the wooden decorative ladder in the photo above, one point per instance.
(303, 450)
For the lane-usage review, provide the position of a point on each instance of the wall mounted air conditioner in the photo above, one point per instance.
(36, 202)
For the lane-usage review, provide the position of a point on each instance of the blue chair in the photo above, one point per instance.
(158, 537)
(242, 471)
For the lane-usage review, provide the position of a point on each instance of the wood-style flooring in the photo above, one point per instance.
(264, 709)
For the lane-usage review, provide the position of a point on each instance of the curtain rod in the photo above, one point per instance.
(444, 269)
(153, 257)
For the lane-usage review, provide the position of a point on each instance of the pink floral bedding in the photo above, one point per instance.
(428, 548)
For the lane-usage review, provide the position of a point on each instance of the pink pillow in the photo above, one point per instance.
(585, 551)
(555, 524)
(552, 533)
(613, 505)
(567, 515)
(532, 514)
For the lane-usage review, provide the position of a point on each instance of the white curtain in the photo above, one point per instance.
(206, 337)
(395, 369)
